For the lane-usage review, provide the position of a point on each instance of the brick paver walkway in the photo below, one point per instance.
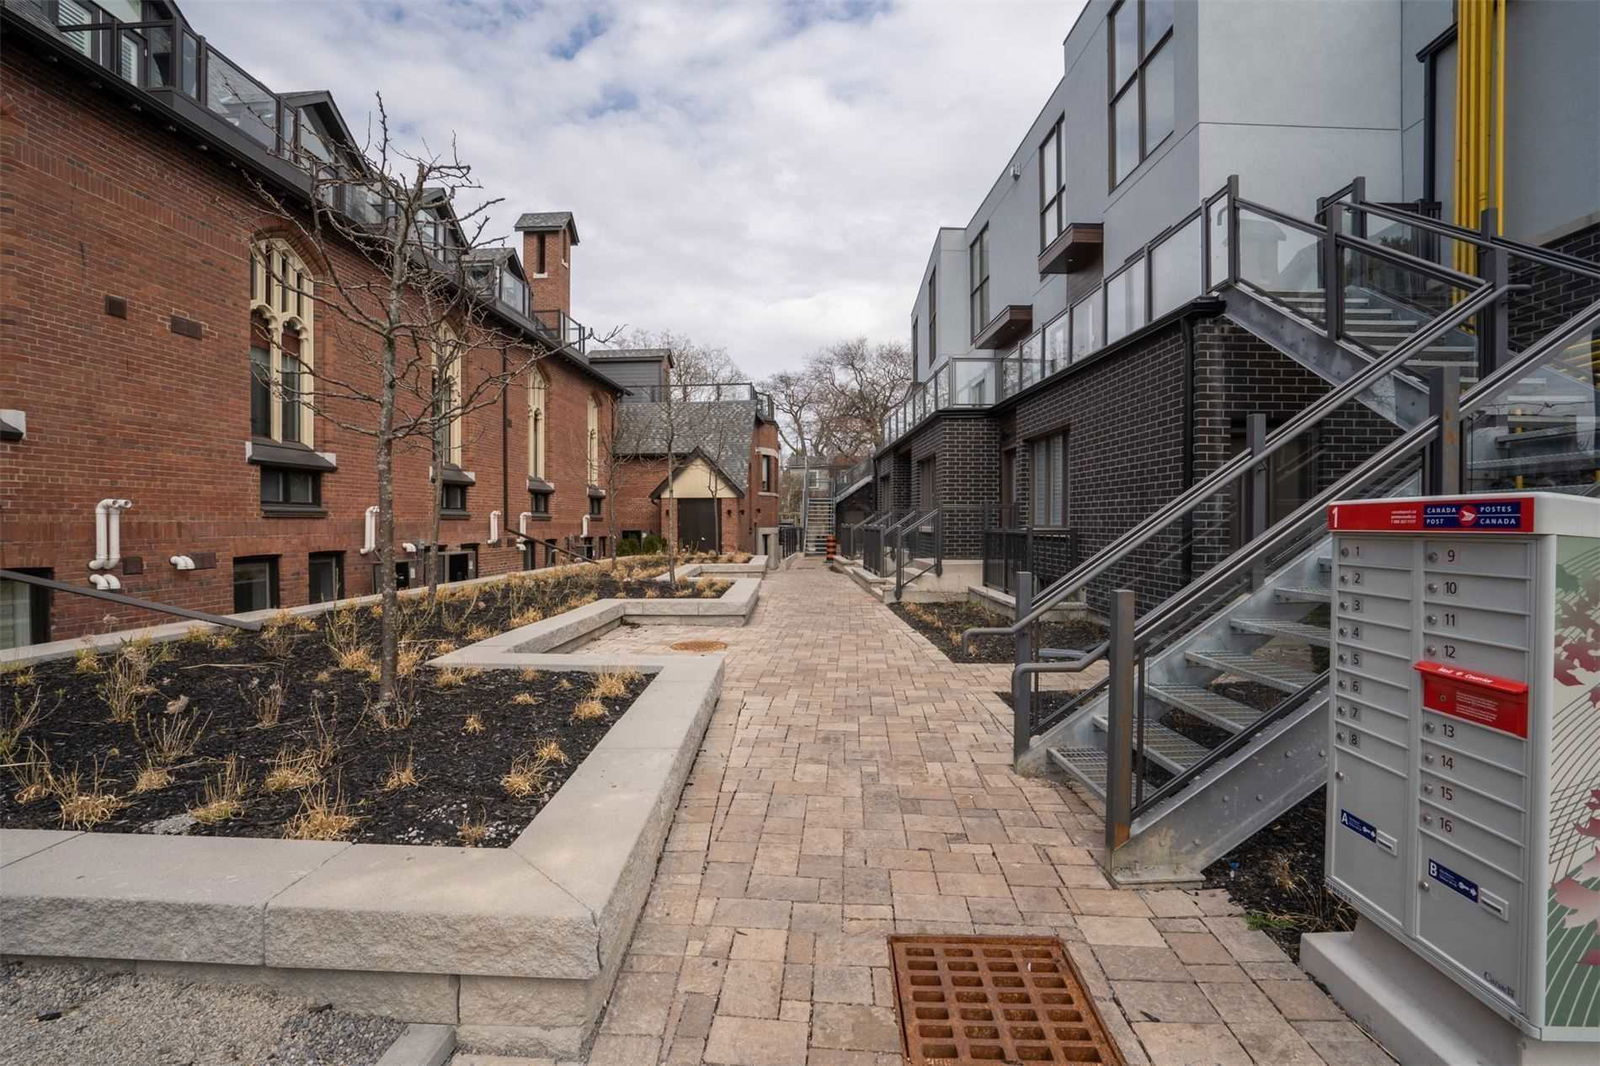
(856, 783)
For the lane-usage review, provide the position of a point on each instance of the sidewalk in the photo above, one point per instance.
(855, 783)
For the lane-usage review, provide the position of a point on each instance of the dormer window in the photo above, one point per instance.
(513, 291)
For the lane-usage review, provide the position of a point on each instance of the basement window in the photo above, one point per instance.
(454, 500)
(288, 491)
(539, 506)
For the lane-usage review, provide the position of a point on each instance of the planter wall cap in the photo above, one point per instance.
(17, 844)
(127, 896)
(432, 910)
(421, 1045)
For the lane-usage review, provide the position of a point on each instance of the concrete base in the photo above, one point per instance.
(1006, 604)
(1421, 1016)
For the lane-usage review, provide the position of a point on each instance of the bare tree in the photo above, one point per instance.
(391, 241)
(836, 402)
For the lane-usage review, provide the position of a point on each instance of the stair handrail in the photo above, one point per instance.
(935, 516)
(1560, 260)
(1291, 526)
(1234, 469)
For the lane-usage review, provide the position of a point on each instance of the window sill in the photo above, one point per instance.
(293, 510)
(455, 516)
(534, 516)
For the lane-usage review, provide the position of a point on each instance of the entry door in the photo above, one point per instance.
(697, 525)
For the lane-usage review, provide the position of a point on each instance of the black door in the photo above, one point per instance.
(697, 525)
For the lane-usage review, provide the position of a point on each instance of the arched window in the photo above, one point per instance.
(538, 389)
(594, 441)
(447, 356)
(282, 345)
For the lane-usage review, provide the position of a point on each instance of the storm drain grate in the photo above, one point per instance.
(994, 999)
(699, 645)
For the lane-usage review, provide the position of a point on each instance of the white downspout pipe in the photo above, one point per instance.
(369, 536)
(585, 525)
(101, 523)
(114, 547)
(494, 527)
(522, 524)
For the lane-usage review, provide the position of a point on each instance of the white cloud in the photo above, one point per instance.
(766, 175)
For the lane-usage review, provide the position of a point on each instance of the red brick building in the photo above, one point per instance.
(142, 304)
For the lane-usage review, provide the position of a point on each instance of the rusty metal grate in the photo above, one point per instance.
(699, 645)
(967, 999)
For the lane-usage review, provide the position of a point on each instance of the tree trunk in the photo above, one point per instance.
(389, 620)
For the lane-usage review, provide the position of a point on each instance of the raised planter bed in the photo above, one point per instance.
(517, 946)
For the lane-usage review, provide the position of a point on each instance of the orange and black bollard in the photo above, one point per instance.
(831, 545)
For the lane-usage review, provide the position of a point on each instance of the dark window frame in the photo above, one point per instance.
(933, 316)
(539, 504)
(1134, 82)
(597, 506)
(1052, 200)
(541, 258)
(978, 278)
(312, 561)
(39, 604)
(281, 476)
(274, 597)
(1047, 476)
(453, 500)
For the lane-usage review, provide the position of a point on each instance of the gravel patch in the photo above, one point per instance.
(71, 1016)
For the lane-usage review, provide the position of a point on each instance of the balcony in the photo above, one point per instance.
(721, 392)
(1074, 248)
(560, 328)
(1004, 329)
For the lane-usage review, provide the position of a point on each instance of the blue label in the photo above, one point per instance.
(1452, 880)
(1350, 821)
(1473, 514)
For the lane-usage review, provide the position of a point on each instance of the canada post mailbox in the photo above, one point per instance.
(1464, 796)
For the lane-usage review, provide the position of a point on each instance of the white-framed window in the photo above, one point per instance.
(282, 344)
(538, 392)
(1143, 87)
(447, 357)
(978, 271)
(593, 439)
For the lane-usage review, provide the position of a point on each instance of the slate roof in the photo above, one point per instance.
(548, 221)
(721, 429)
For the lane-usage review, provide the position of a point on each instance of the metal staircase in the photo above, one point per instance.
(818, 523)
(1211, 722)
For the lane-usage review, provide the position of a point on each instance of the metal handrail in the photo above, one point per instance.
(1291, 526)
(1447, 229)
(1239, 465)
(129, 601)
(1421, 266)
(936, 516)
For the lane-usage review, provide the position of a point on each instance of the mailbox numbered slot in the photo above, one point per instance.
(1358, 605)
(1453, 797)
(1353, 715)
(1374, 665)
(1466, 555)
(1448, 590)
(1497, 747)
(1475, 655)
(1457, 766)
(1375, 551)
(1471, 837)
(1367, 635)
(1452, 622)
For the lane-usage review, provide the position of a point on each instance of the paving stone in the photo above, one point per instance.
(756, 1042)
(843, 984)
(1164, 1001)
(1133, 932)
(751, 989)
(612, 1050)
(1342, 1044)
(1200, 948)
(1124, 963)
(640, 1003)
(1275, 1042)
(1190, 1044)
(752, 913)
(1241, 1002)
(1302, 1001)
(763, 944)
(854, 1028)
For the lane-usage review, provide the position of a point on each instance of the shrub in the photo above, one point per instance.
(653, 545)
(629, 546)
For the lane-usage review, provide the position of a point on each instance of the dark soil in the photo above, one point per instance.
(1277, 876)
(460, 731)
(942, 623)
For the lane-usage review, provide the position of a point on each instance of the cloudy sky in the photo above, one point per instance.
(765, 175)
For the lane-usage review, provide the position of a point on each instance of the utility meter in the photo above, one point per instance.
(1464, 798)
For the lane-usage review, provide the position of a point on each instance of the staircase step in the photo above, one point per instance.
(1164, 746)
(1579, 459)
(1303, 594)
(1214, 707)
(1086, 764)
(1280, 676)
(1274, 627)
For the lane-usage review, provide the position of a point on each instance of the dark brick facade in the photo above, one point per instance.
(1554, 295)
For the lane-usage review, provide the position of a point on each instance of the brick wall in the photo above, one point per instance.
(1554, 295)
(100, 201)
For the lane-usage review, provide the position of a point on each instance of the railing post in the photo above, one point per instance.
(1233, 227)
(1332, 290)
(1022, 684)
(1256, 499)
(1119, 725)
(1358, 196)
(1443, 477)
(938, 543)
(1494, 322)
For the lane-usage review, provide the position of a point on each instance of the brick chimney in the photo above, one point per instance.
(547, 240)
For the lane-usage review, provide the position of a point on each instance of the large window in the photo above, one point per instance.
(933, 317)
(1142, 86)
(255, 583)
(447, 427)
(593, 438)
(1048, 479)
(978, 271)
(281, 344)
(24, 611)
(538, 390)
(1052, 187)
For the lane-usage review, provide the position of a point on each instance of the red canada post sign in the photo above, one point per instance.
(1494, 702)
(1504, 515)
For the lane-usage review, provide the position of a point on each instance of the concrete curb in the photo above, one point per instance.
(421, 1045)
(518, 946)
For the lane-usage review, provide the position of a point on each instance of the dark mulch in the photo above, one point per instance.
(1277, 875)
(211, 685)
(942, 623)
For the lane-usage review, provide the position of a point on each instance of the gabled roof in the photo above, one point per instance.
(548, 222)
(685, 460)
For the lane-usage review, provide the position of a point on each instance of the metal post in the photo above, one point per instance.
(1358, 195)
(1332, 290)
(1256, 500)
(1119, 725)
(1233, 227)
(1022, 684)
(1443, 476)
